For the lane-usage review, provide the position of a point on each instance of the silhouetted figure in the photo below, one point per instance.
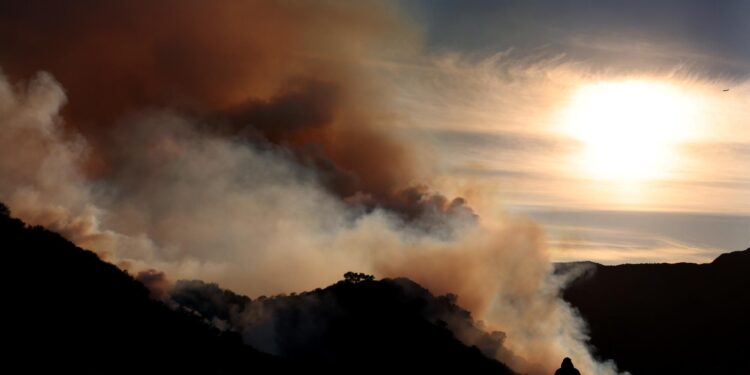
(566, 368)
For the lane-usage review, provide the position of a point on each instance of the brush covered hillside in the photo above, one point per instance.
(388, 325)
(669, 318)
(70, 311)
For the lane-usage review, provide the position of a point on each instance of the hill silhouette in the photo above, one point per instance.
(68, 310)
(669, 318)
(383, 326)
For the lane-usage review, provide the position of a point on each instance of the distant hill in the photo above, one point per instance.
(68, 311)
(669, 318)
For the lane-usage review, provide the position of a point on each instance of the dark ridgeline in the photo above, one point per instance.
(387, 326)
(669, 318)
(67, 311)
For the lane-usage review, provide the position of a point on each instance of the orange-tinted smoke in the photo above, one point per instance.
(288, 72)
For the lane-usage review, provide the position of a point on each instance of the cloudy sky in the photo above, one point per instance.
(620, 127)
(606, 121)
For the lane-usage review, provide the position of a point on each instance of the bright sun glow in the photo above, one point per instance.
(629, 129)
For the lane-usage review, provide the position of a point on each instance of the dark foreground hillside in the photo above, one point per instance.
(66, 311)
(669, 318)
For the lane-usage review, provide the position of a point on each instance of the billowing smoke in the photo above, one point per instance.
(285, 72)
(253, 218)
(40, 178)
(244, 143)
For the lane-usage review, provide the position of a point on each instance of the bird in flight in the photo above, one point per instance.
(725, 90)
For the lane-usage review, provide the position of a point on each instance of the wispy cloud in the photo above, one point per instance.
(493, 125)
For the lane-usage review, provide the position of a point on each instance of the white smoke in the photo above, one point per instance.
(247, 216)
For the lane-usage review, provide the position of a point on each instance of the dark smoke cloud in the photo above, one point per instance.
(289, 73)
(427, 210)
(303, 106)
(119, 56)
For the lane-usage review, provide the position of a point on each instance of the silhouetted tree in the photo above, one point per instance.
(355, 277)
(4, 210)
(450, 298)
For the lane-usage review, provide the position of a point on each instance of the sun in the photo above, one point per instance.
(628, 129)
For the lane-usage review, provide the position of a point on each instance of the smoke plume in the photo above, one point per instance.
(246, 143)
(285, 72)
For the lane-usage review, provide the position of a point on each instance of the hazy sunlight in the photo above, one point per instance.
(628, 128)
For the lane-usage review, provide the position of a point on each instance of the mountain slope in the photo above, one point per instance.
(669, 318)
(72, 312)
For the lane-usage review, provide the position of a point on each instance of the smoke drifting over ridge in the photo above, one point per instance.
(286, 72)
(246, 144)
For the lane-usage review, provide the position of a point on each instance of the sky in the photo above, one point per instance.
(620, 127)
(606, 121)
